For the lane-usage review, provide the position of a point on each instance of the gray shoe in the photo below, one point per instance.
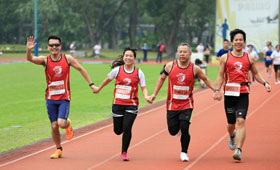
(231, 141)
(237, 155)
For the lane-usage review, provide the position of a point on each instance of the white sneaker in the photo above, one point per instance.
(231, 141)
(184, 157)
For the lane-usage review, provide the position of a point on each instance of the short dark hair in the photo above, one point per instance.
(237, 31)
(226, 40)
(185, 44)
(54, 37)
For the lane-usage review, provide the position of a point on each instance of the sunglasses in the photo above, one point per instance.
(56, 45)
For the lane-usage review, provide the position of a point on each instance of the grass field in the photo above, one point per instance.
(23, 117)
(106, 54)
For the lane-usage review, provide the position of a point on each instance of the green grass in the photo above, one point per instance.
(106, 54)
(22, 100)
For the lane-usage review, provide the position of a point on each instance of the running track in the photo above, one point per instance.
(153, 148)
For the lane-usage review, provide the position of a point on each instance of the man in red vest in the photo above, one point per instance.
(180, 102)
(57, 71)
(234, 68)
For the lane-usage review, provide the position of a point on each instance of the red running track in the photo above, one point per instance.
(153, 148)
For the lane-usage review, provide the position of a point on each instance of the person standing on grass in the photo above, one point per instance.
(125, 102)
(233, 72)
(57, 71)
(180, 101)
(96, 49)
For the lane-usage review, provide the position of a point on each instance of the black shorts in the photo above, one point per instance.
(267, 64)
(173, 117)
(236, 107)
(276, 67)
(120, 110)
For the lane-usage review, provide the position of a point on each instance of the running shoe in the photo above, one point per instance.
(69, 131)
(231, 141)
(184, 157)
(237, 154)
(124, 156)
(58, 154)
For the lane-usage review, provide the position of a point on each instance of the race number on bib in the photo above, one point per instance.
(56, 87)
(232, 89)
(180, 92)
(123, 92)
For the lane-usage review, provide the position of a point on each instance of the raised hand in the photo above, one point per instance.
(30, 44)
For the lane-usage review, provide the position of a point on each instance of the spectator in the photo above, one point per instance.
(224, 50)
(200, 48)
(207, 52)
(160, 48)
(145, 52)
(97, 49)
(73, 49)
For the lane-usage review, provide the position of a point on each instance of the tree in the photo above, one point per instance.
(166, 15)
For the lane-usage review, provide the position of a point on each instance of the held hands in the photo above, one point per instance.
(150, 99)
(30, 44)
(217, 96)
(267, 87)
(95, 89)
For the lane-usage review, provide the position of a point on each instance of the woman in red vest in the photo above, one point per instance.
(125, 102)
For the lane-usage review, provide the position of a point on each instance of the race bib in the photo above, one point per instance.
(232, 89)
(56, 87)
(123, 92)
(180, 92)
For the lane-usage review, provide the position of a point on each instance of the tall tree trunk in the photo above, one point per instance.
(112, 36)
(132, 30)
(172, 38)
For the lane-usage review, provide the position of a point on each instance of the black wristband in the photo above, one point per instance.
(264, 83)
(91, 84)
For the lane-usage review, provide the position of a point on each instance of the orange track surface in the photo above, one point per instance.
(153, 148)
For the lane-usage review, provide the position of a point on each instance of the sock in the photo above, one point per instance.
(59, 148)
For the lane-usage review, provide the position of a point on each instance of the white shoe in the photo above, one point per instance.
(184, 157)
(231, 141)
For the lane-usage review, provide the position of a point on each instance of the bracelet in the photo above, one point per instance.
(216, 89)
(91, 84)
(264, 83)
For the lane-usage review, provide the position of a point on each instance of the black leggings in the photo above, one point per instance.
(124, 125)
(185, 136)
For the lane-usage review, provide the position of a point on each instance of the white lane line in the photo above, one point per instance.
(146, 139)
(224, 136)
(75, 138)
(86, 134)
(116, 155)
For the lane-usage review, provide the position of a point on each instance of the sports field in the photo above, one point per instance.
(23, 117)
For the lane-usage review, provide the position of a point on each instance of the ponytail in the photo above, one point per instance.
(119, 61)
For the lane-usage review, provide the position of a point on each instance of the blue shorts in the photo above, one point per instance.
(57, 109)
